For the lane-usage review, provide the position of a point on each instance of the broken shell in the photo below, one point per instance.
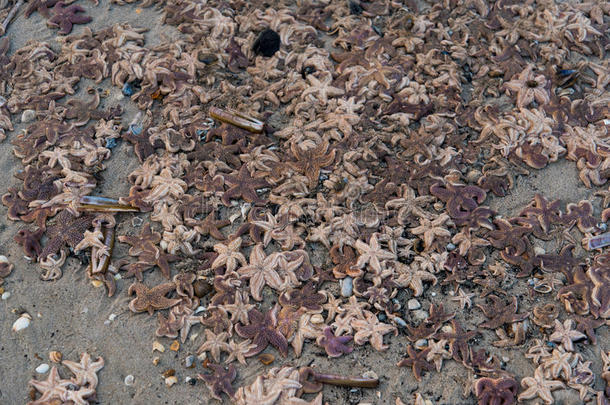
(55, 356)
(189, 362)
(129, 380)
(22, 323)
(413, 304)
(175, 346)
(266, 358)
(28, 116)
(158, 347)
(43, 368)
(169, 372)
(156, 360)
(97, 283)
(202, 288)
(169, 381)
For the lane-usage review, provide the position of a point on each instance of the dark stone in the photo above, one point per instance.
(267, 43)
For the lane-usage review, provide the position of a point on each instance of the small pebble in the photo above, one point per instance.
(505, 359)
(400, 322)
(382, 317)
(347, 286)
(413, 304)
(450, 246)
(189, 361)
(117, 276)
(127, 90)
(6, 295)
(199, 309)
(420, 314)
(531, 281)
(43, 368)
(112, 317)
(539, 251)
(156, 360)
(129, 380)
(22, 322)
(421, 343)
(370, 374)
(175, 346)
(602, 226)
(28, 116)
(433, 294)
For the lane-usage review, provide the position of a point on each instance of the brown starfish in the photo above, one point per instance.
(65, 16)
(417, 361)
(243, 185)
(210, 226)
(263, 330)
(220, 381)
(310, 161)
(500, 313)
(151, 299)
(67, 229)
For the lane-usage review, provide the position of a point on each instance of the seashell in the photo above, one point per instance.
(5, 295)
(22, 322)
(169, 372)
(169, 381)
(189, 362)
(158, 347)
(129, 380)
(347, 286)
(43, 368)
(28, 116)
(266, 358)
(55, 356)
(156, 360)
(97, 283)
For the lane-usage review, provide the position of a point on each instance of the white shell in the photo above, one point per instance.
(28, 116)
(169, 381)
(129, 380)
(22, 323)
(43, 368)
(3, 259)
(6, 295)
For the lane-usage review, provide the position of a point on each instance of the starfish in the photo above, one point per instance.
(243, 185)
(310, 161)
(67, 229)
(490, 391)
(499, 313)
(220, 381)
(229, 255)
(52, 388)
(261, 271)
(151, 299)
(335, 346)
(372, 253)
(65, 16)
(214, 343)
(371, 330)
(211, 226)
(238, 351)
(565, 334)
(538, 386)
(417, 361)
(262, 330)
(322, 89)
(86, 370)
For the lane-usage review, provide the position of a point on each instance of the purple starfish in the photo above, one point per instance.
(335, 346)
(64, 17)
